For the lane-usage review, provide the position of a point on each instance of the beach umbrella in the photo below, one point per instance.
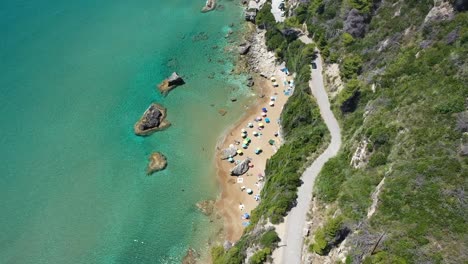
(243, 131)
(264, 114)
(272, 98)
(255, 133)
(246, 141)
(244, 146)
(275, 84)
(231, 160)
(246, 216)
(259, 118)
(264, 109)
(260, 124)
(272, 103)
(245, 223)
(250, 125)
(267, 120)
(273, 79)
(243, 135)
(271, 142)
(249, 191)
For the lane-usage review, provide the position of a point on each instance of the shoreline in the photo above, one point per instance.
(232, 194)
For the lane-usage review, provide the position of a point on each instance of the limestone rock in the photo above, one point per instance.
(241, 168)
(244, 48)
(227, 245)
(250, 15)
(157, 162)
(228, 152)
(170, 83)
(154, 119)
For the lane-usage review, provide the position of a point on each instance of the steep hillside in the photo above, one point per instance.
(403, 114)
(398, 75)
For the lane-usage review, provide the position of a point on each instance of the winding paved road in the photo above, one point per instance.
(295, 221)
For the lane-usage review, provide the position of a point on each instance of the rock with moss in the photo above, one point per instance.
(153, 119)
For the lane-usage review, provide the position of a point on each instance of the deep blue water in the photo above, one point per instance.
(74, 78)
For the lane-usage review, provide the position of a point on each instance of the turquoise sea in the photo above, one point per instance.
(74, 78)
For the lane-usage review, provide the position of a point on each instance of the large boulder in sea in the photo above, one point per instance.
(209, 5)
(241, 168)
(228, 152)
(170, 83)
(157, 162)
(154, 119)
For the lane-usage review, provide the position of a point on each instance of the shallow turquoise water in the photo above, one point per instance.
(74, 78)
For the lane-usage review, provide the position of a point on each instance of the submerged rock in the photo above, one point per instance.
(190, 257)
(170, 83)
(157, 162)
(241, 168)
(206, 207)
(228, 153)
(222, 112)
(154, 119)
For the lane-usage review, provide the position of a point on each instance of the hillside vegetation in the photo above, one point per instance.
(413, 121)
(405, 71)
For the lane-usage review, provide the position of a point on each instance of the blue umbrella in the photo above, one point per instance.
(264, 109)
(246, 216)
(267, 120)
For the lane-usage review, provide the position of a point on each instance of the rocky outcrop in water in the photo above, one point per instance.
(157, 162)
(154, 119)
(210, 5)
(241, 168)
(170, 83)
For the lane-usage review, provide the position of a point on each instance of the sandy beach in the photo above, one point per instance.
(234, 200)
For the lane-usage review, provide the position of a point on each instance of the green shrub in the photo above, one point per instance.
(347, 39)
(328, 236)
(351, 66)
(217, 254)
(270, 239)
(265, 18)
(330, 178)
(260, 256)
